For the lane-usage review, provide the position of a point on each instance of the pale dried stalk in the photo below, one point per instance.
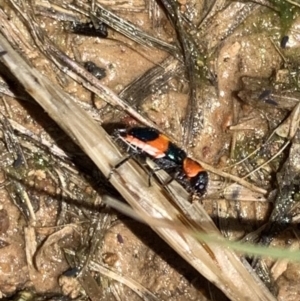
(218, 265)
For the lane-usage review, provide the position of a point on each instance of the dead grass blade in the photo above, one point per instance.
(134, 285)
(191, 55)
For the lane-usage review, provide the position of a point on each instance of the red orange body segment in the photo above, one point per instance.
(155, 148)
(191, 168)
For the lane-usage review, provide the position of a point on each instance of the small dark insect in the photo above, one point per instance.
(72, 272)
(284, 41)
(168, 155)
(18, 161)
(98, 72)
(120, 238)
(264, 94)
(266, 97)
(92, 29)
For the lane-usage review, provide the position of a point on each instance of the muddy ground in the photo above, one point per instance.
(52, 220)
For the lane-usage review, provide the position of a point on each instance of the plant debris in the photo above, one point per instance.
(220, 80)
